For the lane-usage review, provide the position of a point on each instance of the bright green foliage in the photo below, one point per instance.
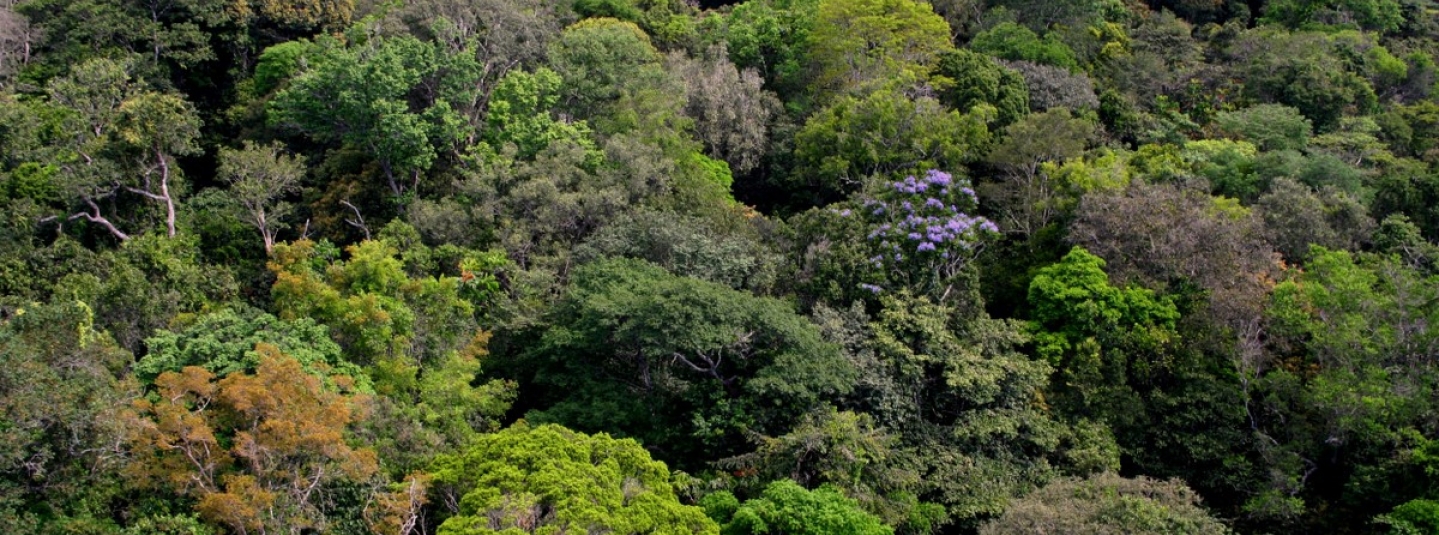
(278, 63)
(788, 508)
(1414, 517)
(1014, 42)
(888, 134)
(1228, 165)
(359, 93)
(1107, 504)
(520, 111)
(438, 408)
(1351, 326)
(1268, 126)
(1352, 318)
(1102, 340)
(970, 79)
(371, 305)
(223, 342)
(859, 44)
(772, 37)
(683, 364)
(356, 300)
(551, 480)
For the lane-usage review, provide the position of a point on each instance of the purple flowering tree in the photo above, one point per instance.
(922, 235)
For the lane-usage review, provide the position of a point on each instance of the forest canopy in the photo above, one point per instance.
(423, 267)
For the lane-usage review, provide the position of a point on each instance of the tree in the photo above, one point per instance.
(520, 113)
(688, 246)
(840, 451)
(1303, 70)
(1267, 126)
(1106, 504)
(1055, 87)
(163, 35)
(60, 385)
(1107, 344)
(1013, 42)
(772, 37)
(121, 138)
(731, 108)
(283, 437)
(551, 479)
(1297, 217)
(599, 59)
(859, 44)
(1025, 195)
(223, 342)
(786, 507)
(294, 16)
(158, 127)
(962, 401)
(374, 309)
(1381, 15)
(16, 38)
(1150, 234)
(358, 94)
(887, 134)
(973, 78)
(685, 365)
(259, 177)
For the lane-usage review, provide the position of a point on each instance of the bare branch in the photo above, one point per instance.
(358, 222)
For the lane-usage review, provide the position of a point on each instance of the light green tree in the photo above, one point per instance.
(548, 479)
(858, 44)
(786, 507)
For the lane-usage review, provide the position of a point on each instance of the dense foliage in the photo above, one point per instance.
(760, 267)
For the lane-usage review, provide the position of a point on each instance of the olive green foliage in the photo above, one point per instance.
(1107, 503)
(598, 60)
(1381, 15)
(60, 389)
(548, 479)
(965, 400)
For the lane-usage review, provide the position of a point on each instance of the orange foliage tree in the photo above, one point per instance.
(252, 449)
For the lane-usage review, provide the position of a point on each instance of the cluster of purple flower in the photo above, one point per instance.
(922, 217)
